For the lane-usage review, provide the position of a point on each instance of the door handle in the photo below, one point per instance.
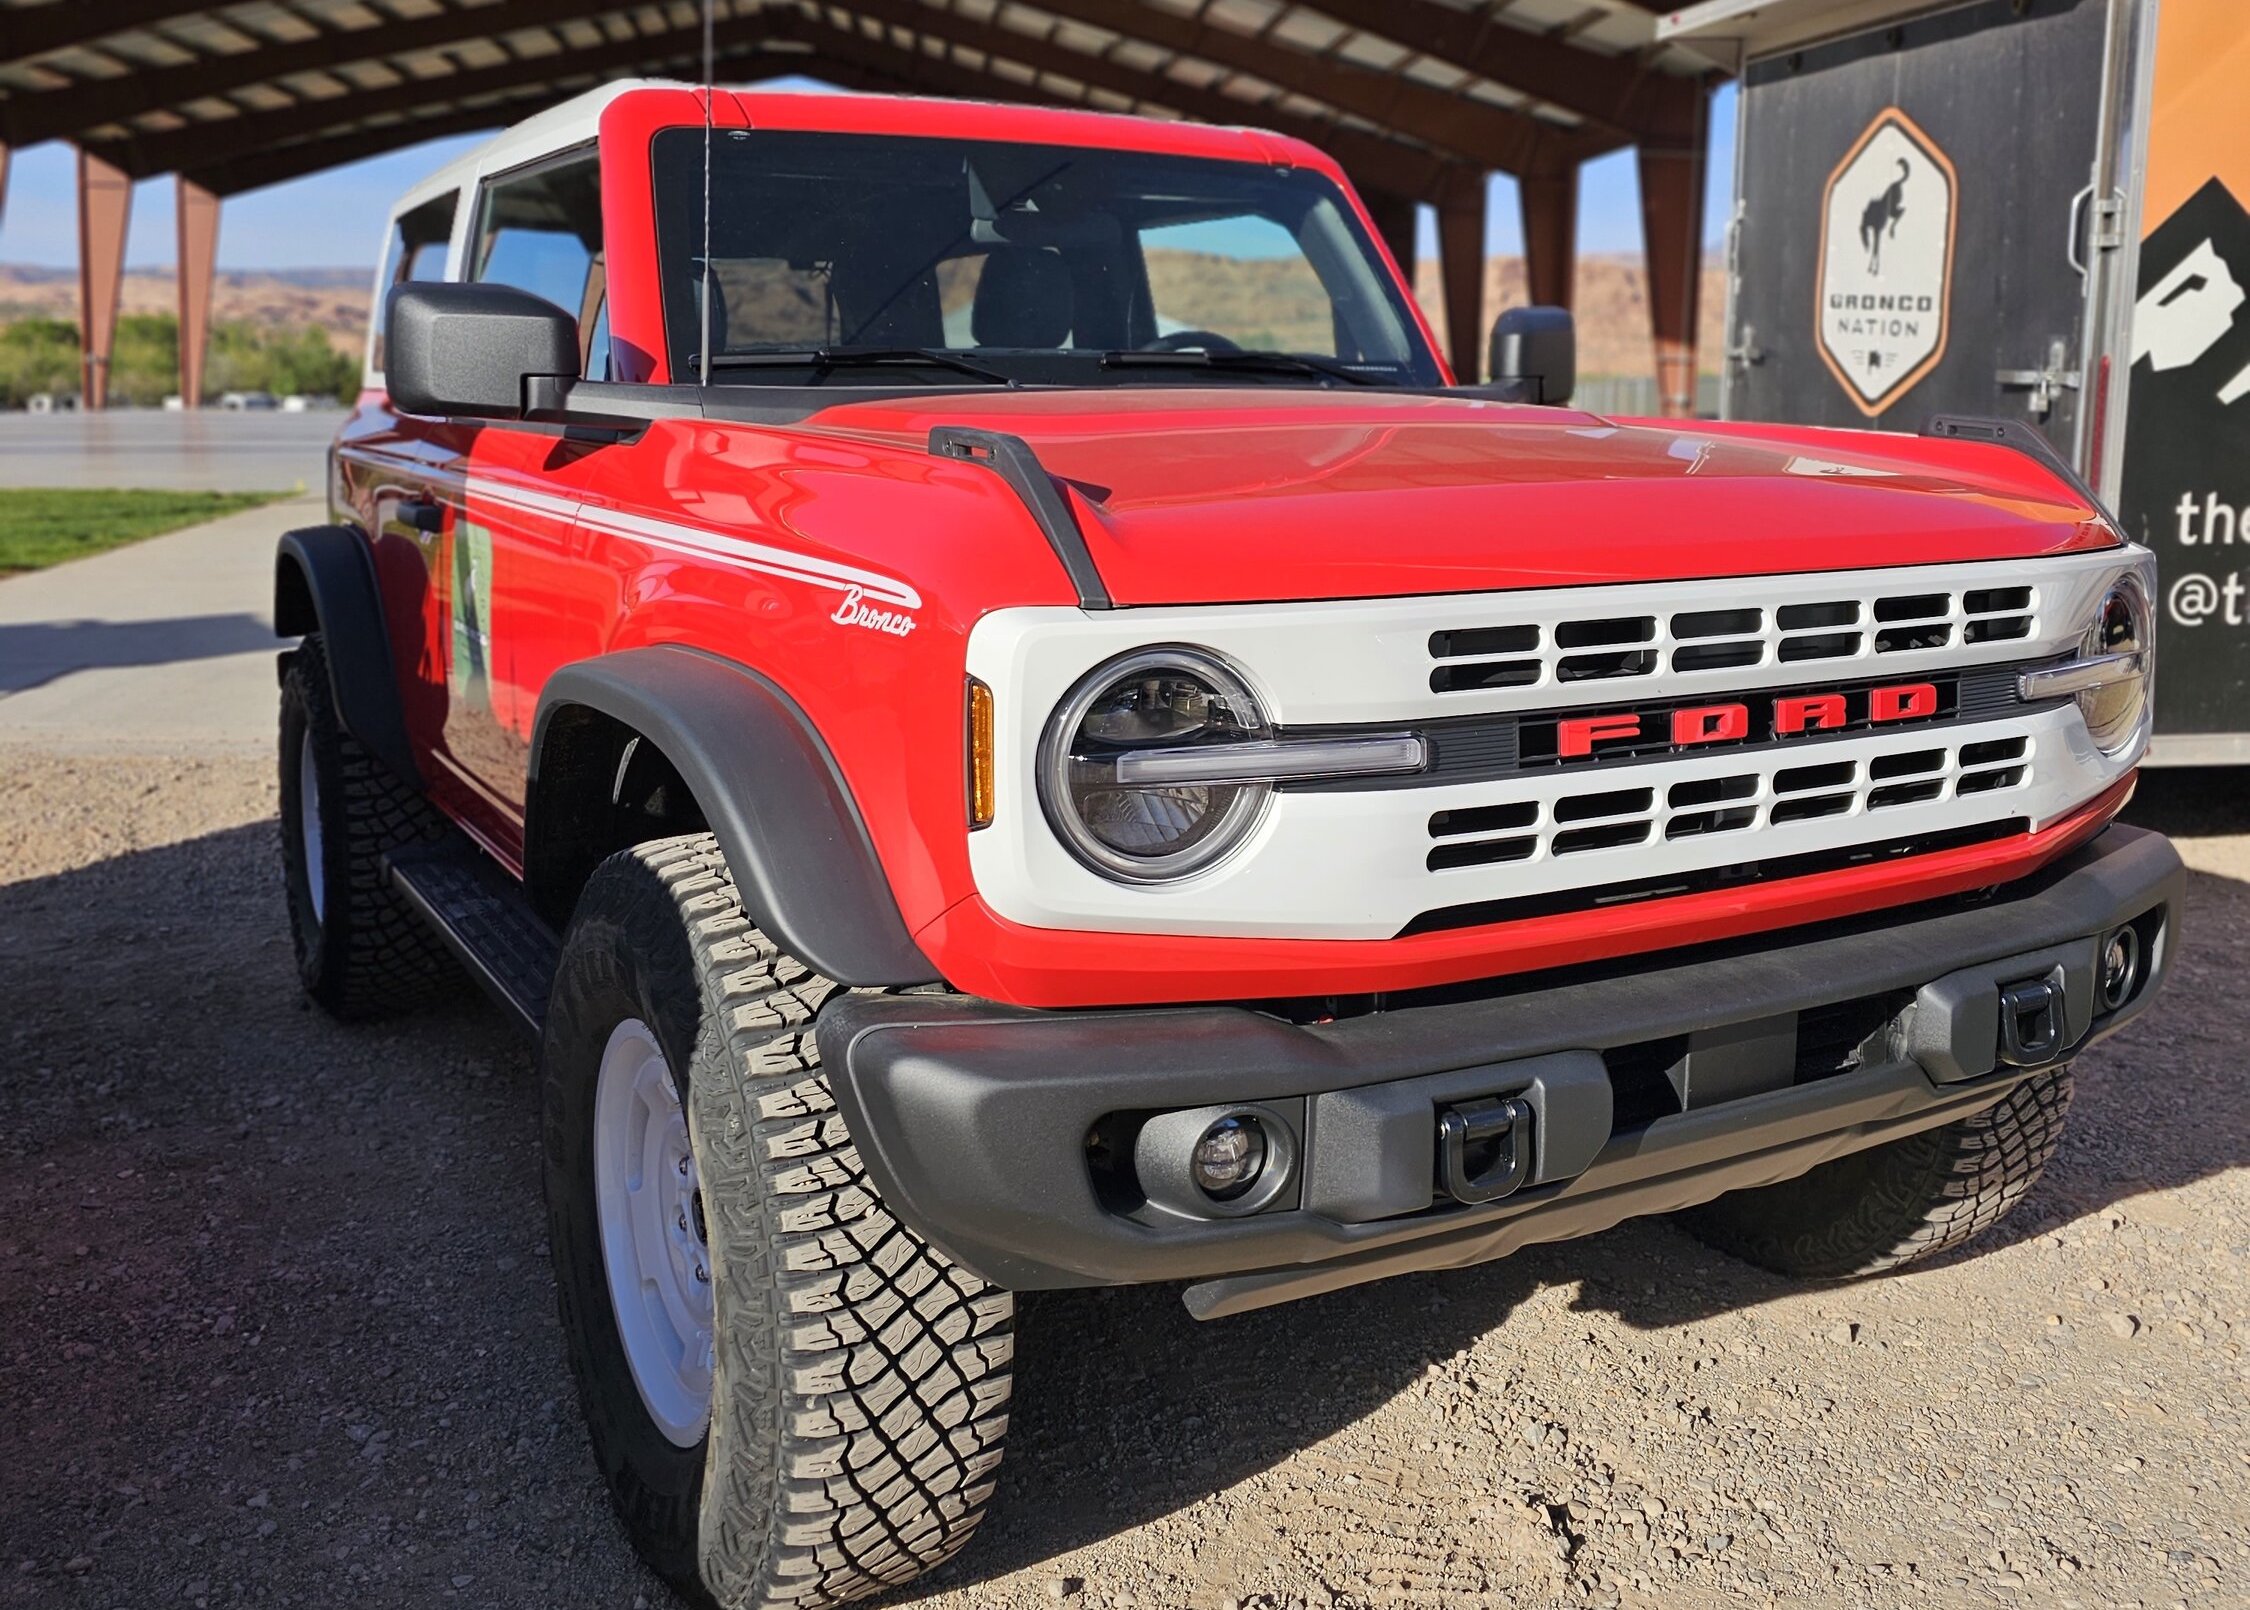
(2105, 237)
(423, 514)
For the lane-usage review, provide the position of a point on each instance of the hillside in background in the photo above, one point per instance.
(1612, 310)
(331, 300)
(1612, 303)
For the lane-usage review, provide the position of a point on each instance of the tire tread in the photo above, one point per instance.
(1898, 1203)
(374, 955)
(886, 1368)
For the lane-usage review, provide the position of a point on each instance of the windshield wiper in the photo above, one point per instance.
(822, 359)
(1279, 363)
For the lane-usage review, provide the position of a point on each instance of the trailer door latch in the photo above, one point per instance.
(1484, 1148)
(2045, 385)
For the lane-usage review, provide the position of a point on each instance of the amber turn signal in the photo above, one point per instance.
(980, 754)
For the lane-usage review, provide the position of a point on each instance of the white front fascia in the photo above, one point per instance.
(1355, 863)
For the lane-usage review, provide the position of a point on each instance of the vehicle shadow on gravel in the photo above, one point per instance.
(289, 1318)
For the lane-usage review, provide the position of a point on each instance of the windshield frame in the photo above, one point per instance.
(1331, 231)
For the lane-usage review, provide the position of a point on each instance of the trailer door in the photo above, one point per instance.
(1913, 199)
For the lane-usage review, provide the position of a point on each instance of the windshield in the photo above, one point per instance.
(1049, 264)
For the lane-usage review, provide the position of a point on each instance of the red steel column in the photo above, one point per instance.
(1672, 166)
(199, 255)
(1550, 235)
(1460, 225)
(105, 206)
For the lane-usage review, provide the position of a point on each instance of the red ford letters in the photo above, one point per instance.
(1577, 736)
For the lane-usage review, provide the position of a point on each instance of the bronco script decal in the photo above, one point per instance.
(855, 610)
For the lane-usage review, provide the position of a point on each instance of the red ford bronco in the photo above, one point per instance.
(974, 679)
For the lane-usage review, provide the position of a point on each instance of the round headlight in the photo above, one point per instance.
(1162, 698)
(2114, 711)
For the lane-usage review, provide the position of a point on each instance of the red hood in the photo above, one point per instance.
(1232, 496)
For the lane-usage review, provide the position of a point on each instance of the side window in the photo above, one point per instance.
(1245, 278)
(416, 252)
(541, 232)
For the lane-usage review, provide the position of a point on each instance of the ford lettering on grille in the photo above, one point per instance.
(1676, 726)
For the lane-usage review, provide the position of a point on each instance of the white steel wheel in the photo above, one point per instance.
(655, 1250)
(309, 837)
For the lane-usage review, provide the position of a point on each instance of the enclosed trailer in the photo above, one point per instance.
(2029, 209)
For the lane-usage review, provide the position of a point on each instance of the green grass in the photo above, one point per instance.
(45, 526)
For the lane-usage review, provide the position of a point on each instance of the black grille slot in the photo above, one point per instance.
(1490, 674)
(1609, 836)
(1804, 810)
(1605, 633)
(1992, 749)
(1999, 629)
(1825, 646)
(1731, 820)
(1797, 779)
(1884, 766)
(1798, 617)
(1900, 639)
(1482, 819)
(1617, 802)
(1716, 656)
(1481, 641)
(1480, 852)
(1595, 667)
(1716, 623)
(1920, 606)
(1905, 793)
(1995, 600)
(1710, 791)
(1984, 782)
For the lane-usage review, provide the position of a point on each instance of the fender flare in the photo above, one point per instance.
(770, 791)
(324, 581)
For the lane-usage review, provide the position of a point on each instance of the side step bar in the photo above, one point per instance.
(484, 920)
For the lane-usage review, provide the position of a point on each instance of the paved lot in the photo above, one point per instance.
(208, 451)
(276, 1325)
(161, 645)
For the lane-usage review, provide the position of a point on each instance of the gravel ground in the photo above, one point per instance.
(276, 1325)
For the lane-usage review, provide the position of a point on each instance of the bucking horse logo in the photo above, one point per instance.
(1881, 218)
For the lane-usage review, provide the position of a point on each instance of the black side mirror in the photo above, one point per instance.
(465, 351)
(1536, 348)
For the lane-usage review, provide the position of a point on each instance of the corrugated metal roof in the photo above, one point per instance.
(246, 94)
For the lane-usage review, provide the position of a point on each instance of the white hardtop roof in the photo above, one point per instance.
(558, 128)
(1731, 32)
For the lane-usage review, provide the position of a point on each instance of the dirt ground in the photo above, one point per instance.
(276, 1325)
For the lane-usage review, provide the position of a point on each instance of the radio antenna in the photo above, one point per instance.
(703, 309)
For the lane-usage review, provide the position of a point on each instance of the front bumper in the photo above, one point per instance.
(1014, 1139)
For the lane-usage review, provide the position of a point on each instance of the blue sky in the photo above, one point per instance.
(335, 219)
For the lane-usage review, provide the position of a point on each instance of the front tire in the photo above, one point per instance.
(855, 1398)
(1894, 1204)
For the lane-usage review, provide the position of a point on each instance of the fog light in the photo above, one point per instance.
(1229, 1158)
(2121, 967)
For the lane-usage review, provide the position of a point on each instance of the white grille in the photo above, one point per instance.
(1810, 631)
(1356, 863)
(1629, 808)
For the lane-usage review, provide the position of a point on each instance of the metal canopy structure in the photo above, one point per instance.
(1419, 99)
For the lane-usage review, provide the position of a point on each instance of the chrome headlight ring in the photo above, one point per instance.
(1160, 763)
(1169, 698)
